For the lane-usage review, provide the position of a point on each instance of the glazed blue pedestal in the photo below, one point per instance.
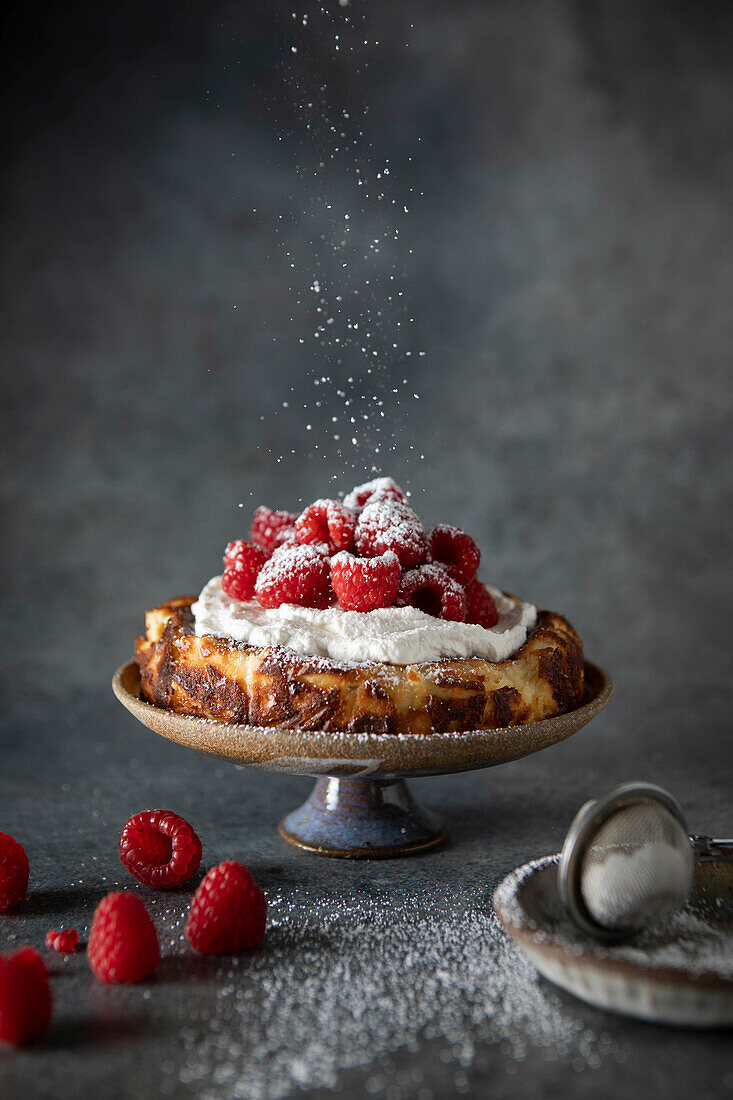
(362, 819)
(370, 813)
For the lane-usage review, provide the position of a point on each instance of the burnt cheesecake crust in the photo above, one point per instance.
(220, 678)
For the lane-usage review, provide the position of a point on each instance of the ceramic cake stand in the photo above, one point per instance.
(361, 806)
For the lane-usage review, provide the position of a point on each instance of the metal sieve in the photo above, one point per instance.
(627, 861)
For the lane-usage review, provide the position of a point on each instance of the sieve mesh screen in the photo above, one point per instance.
(637, 867)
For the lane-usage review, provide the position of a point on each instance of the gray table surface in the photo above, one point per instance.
(569, 281)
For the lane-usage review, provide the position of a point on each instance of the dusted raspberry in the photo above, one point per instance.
(381, 488)
(328, 522)
(363, 584)
(123, 943)
(391, 525)
(228, 911)
(295, 574)
(14, 872)
(242, 563)
(432, 590)
(286, 537)
(270, 528)
(25, 996)
(63, 942)
(481, 607)
(455, 550)
(160, 848)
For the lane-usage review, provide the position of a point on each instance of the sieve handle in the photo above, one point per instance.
(708, 847)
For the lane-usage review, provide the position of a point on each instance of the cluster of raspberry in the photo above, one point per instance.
(227, 915)
(368, 551)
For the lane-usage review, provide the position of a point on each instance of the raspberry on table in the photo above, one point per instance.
(14, 871)
(160, 848)
(453, 548)
(381, 488)
(123, 943)
(242, 563)
(269, 528)
(329, 522)
(481, 606)
(431, 589)
(25, 996)
(64, 942)
(228, 911)
(391, 525)
(364, 584)
(296, 574)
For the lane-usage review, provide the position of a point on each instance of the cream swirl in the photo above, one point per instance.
(393, 635)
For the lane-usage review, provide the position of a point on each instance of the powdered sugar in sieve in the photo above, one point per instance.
(627, 862)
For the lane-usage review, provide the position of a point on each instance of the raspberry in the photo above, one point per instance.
(481, 606)
(228, 911)
(295, 574)
(242, 563)
(363, 584)
(25, 996)
(286, 537)
(123, 943)
(270, 528)
(391, 525)
(329, 522)
(63, 942)
(14, 870)
(455, 550)
(160, 849)
(433, 590)
(382, 488)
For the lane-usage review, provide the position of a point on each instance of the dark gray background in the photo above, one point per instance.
(569, 281)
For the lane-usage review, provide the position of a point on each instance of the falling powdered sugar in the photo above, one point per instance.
(342, 241)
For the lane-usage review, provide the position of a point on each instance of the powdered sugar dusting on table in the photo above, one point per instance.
(342, 982)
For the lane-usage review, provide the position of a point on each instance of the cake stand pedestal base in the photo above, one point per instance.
(362, 819)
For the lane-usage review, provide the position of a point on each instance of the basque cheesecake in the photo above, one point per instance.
(352, 617)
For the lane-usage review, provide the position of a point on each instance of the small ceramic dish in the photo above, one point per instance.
(681, 973)
(360, 806)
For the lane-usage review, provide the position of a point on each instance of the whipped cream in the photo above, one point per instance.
(394, 635)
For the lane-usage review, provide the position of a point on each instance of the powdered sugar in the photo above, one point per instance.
(393, 635)
(689, 941)
(627, 887)
(344, 234)
(696, 939)
(343, 980)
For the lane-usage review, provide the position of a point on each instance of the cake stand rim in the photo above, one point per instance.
(359, 755)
